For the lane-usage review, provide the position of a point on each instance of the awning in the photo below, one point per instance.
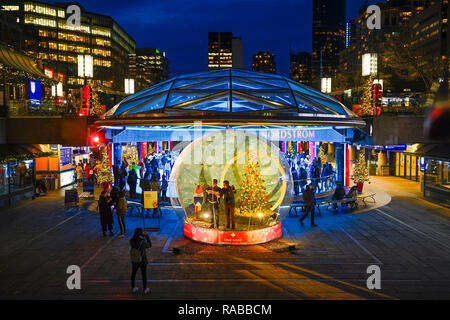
(18, 61)
(19, 152)
(430, 150)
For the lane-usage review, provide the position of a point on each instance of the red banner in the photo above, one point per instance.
(230, 237)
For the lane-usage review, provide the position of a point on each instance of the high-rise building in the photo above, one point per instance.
(10, 31)
(148, 66)
(238, 53)
(224, 51)
(300, 67)
(264, 62)
(328, 38)
(50, 38)
(430, 36)
(395, 17)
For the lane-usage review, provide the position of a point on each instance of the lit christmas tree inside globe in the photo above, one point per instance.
(259, 181)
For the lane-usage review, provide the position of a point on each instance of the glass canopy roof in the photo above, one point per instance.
(229, 90)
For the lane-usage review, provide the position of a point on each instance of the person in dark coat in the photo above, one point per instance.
(303, 176)
(116, 174)
(132, 183)
(338, 195)
(140, 243)
(122, 176)
(296, 181)
(310, 204)
(114, 194)
(106, 218)
(145, 186)
(317, 170)
(312, 174)
(164, 186)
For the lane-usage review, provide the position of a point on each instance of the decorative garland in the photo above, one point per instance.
(25, 156)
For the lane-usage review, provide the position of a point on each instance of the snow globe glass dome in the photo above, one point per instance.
(254, 167)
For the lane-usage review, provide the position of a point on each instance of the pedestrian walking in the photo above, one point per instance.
(139, 243)
(310, 203)
(121, 212)
(106, 218)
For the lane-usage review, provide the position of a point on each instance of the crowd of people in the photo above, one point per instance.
(152, 174)
(305, 171)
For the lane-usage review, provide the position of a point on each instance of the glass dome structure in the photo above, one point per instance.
(230, 95)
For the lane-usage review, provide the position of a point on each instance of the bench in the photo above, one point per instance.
(363, 198)
(139, 208)
(301, 204)
(134, 206)
(344, 202)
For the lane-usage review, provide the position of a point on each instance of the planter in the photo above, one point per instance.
(359, 186)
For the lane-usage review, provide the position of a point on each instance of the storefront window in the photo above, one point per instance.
(21, 174)
(3, 179)
(437, 174)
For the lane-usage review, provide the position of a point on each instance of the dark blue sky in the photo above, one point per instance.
(180, 27)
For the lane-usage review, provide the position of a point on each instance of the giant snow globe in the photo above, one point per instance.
(231, 187)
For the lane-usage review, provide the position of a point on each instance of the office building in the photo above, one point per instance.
(50, 38)
(430, 36)
(300, 67)
(328, 38)
(224, 51)
(148, 66)
(264, 62)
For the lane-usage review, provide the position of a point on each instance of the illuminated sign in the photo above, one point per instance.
(65, 158)
(369, 64)
(326, 85)
(35, 92)
(129, 86)
(288, 134)
(85, 66)
(214, 236)
(48, 72)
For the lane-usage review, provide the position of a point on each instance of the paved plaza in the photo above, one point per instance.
(408, 237)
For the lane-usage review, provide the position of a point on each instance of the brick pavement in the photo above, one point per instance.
(406, 236)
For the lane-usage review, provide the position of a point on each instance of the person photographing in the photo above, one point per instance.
(139, 243)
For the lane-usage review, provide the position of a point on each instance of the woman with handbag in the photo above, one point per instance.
(139, 243)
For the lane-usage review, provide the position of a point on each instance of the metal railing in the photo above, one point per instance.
(20, 108)
(320, 185)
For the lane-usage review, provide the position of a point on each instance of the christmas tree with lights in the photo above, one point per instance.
(366, 99)
(96, 107)
(322, 155)
(360, 173)
(104, 175)
(134, 157)
(254, 197)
